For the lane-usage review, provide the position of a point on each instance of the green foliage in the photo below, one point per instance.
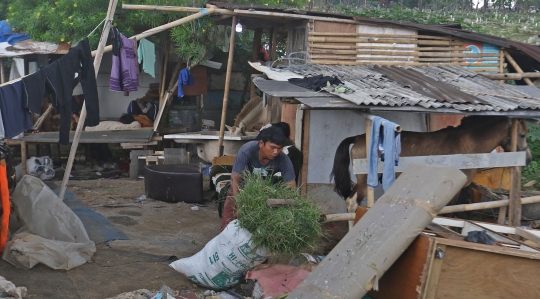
(286, 230)
(532, 171)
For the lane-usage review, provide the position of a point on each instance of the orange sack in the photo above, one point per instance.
(6, 208)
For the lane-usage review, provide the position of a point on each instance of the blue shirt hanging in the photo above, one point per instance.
(185, 78)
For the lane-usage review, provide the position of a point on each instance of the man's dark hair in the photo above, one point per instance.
(272, 134)
(284, 127)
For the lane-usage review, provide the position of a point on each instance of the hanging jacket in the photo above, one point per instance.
(16, 119)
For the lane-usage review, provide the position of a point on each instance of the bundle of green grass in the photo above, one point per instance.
(285, 230)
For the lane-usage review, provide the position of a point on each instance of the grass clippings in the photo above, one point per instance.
(286, 230)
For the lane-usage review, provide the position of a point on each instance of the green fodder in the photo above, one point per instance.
(283, 230)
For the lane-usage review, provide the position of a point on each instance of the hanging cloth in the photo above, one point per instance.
(59, 79)
(15, 118)
(17, 69)
(4, 203)
(391, 142)
(147, 54)
(185, 78)
(124, 68)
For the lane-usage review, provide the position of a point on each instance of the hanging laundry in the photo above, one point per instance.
(134, 43)
(17, 69)
(316, 82)
(124, 68)
(6, 35)
(15, 118)
(392, 149)
(116, 41)
(147, 54)
(185, 78)
(59, 79)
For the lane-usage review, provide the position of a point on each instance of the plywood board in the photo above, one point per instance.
(461, 161)
(130, 136)
(496, 178)
(405, 279)
(288, 115)
(200, 79)
(468, 273)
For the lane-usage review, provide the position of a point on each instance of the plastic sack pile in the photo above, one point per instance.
(52, 235)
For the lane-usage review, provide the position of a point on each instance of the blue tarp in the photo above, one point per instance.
(6, 35)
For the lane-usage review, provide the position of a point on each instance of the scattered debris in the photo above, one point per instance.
(9, 291)
(194, 208)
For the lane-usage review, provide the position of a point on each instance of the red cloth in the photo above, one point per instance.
(229, 212)
(6, 208)
(278, 280)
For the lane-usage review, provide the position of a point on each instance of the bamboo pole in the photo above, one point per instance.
(97, 62)
(163, 76)
(517, 68)
(175, 9)
(273, 43)
(386, 62)
(370, 190)
(227, 87)
(513, 76)
(164, 27)
(257, 36)
(385, 47)
(449, 209)
(514, 208)
(403, 52)
(377, 35)
(381, 40)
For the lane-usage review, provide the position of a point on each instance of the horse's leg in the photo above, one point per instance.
(361, 187)
(470, 173)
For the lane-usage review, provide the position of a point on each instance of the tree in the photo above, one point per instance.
(72, 20)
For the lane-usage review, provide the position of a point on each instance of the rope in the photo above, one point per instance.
(96, 27)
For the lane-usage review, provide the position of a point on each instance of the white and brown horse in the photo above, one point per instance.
(475, 134)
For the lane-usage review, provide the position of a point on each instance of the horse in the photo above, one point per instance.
(475, 134)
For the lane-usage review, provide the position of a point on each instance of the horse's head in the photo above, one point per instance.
(521, 139)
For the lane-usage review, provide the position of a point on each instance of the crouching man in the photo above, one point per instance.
(264, 156)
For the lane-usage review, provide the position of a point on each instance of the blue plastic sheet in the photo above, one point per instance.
(7, 35)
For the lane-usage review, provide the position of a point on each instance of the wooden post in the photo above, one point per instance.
(255, 56)
(370, 191)
(273, 43)
(514, 213)
(501, 62)
(82, 117)
(305, 151)
(2, 71)
(23, 157)
(517, 68)
(227, 88)
(164, 69)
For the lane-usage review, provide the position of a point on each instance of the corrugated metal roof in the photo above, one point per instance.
(425, 86)
(29, 46)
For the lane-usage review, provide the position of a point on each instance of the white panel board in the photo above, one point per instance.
(384, 31)
(461, 161)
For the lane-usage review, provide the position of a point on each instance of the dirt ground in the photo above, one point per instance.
(159, 233)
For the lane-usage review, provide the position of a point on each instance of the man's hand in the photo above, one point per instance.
(236, 179)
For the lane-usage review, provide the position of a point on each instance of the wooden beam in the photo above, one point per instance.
(227, 88)
(23, 157)
(370, 190)
(512, 76)
(164, 27)
(163, 76)
(315, 39)
(501, 62)
(174, 9)
(460, 161)
(97, 62)
(517, 68)
(514, 209)
(257, 36)
(305, 151)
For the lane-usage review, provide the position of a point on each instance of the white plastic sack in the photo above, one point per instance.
(52, 234)
(40, 167)
(222, 263)
(9, 291)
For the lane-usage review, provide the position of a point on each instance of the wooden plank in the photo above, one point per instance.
(370, 190)
(405, 278)
(529, 234)
(434, 272)
(384, 35)
(142, 135)
(481, 274)
(383, 47)
(305, 152)
(357, 262)
(462, 161)
(386, 62)
(382, 41)
(23, 157)
(514, 209)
